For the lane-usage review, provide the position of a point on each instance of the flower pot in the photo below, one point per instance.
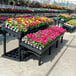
(37, 47)
(16, 30)
(62, 19)
(40, 48)
(8, 27)
(28, 42)
(11, 3)
(31, 44)
(34, 45)
(11, 28)
(25, 41)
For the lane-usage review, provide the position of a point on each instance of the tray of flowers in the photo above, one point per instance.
(41, 41)
(70, 25)
(64, 17)
(19, 25)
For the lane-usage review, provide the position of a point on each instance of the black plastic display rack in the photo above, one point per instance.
(69, 28)
(19, 35)
(38, 52)
(58, 21)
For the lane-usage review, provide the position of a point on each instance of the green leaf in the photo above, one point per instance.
(42, 46)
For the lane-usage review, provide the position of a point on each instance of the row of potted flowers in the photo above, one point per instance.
(4, 17)
(64, 17)
(36, 4)
(71, 22)
(13, 10)
(26, 23)
(42, 38)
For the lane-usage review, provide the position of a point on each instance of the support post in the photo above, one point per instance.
(62, 39)
(57, 44)
(4, 42)
(19, 50)
(58, 23)
(50, 51)
(39, 61)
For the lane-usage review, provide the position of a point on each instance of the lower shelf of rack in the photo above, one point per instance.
(14, 55)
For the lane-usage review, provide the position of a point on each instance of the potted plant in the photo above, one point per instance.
(11, 2)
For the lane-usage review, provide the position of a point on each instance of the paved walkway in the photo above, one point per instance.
(62, 61)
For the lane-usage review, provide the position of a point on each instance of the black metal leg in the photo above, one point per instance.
(58, 23)
(61, 39)
(19, 50)
(4, 43)
(39, 61)
(50, 51)
(57, 44)
(55, 22)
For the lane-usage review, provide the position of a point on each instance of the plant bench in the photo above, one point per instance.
(15, 54)
(38, 52)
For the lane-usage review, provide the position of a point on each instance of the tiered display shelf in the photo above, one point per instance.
(64, 24)
(69, 27)
(38, 52)
(19, 35)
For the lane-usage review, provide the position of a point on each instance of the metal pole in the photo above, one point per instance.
(4, 42)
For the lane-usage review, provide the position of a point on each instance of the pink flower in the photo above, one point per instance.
(28, 36)
(23, 28)
(46, 35)
(18, 24)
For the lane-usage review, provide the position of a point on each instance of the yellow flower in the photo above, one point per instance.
(22, 20)
(30, 21)
(10, 21)
(73, 22)
(10, 18)
(16, 22)
(21, 26)
(19, 18)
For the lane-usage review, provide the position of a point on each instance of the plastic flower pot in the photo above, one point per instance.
(34, 45)
(28, 42)
(31, 44)
(16, 30)
(25, 41)
(13, 29)
(8, 27)
(37, 47)
(40, 48)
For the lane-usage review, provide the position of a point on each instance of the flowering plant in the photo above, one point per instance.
(72, 22)
(44, 37)
(13, 10)
(4, 17)
(64, 17)
(25, 23)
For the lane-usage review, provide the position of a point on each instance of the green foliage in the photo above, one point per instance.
(10, 1)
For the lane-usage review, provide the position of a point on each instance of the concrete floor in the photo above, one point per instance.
(61, 62)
